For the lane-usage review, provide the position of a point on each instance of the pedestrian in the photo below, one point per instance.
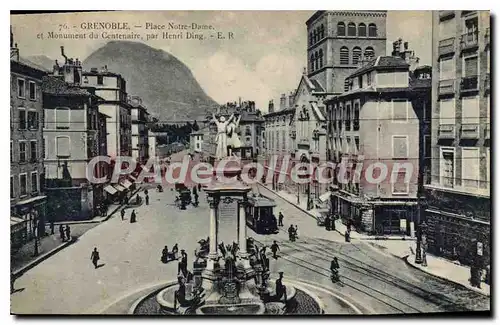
(68, 233)
(146, 192)
(349, 224)
(296, 231)
(347, 236)
(147, 199)
(122, 213)
(182, 267)
(175, 250)
(61, 232)
(199, 187)
(133, 217)
(327, 223)
(94, 257)
(52, 227)
(280, 288)
(275, 248)
(280, 219)
(164, 255)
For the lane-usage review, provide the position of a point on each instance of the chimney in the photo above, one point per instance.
(290, 99)
(282, 102)
(14, 51)
(55, 69)
(63, 55)
(271, 106)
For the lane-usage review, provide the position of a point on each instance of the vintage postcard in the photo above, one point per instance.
(250, 162)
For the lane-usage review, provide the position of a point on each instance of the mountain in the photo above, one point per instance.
(166, 85)
(41, 61)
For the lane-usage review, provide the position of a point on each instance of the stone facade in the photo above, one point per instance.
(460, 134)
(140, 138)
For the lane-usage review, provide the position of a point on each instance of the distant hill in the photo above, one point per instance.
(39, 61)
(166, 85)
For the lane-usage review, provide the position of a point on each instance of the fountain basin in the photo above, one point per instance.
(255, 308)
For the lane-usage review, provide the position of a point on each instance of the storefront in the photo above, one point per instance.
(33, 212)
(18, 231)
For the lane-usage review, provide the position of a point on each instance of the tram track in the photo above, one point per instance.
(354, 284)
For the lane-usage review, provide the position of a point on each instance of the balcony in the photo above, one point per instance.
(446, 87)
(446, 14)
(469, 41)
(469, 84)
(470, 131)
(446, 131)
(487, 131)
(446, 46)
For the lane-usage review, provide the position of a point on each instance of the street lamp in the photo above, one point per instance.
(418, 253)
(424, 243)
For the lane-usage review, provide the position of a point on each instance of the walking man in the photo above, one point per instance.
(280, 288)
(68, 233)
(133, 217)
(52, 227)
(280, 219)
(61, 232)
(275, 248)
(94, 257)
(183, 263)
(122, 213)
(147, 199)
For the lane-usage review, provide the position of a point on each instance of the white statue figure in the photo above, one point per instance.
(221, 137)
(234, 140)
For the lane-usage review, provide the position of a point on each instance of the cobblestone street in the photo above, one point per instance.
(130, 253)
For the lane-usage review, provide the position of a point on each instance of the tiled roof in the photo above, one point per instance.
(381, 62)
(56, 86)
(280, 112)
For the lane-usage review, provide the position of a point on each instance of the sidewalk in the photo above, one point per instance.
(339, 226)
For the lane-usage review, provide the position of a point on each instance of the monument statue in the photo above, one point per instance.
(234, 140)
(221, 137)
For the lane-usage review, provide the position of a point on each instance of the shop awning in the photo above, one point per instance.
(325, 197)
(16, 221)
(31, 200)
(126, 183)
(119, 188)
(110, 189)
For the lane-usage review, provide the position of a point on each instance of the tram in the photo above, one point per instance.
(260, 215)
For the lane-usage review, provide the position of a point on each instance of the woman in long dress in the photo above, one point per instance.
(234, 140)
(221, 137)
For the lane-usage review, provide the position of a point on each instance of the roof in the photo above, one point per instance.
(250, 117)
(55, 86)
(101, 73)
(280, 112)
(317, 86)
(261, 201)
(320, 114)
(381, 62)
(26, 65)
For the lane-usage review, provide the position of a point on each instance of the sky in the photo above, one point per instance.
(265, 58)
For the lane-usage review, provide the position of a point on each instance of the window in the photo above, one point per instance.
(369, 78)
(32, 90)
(22, 119)
(32, 120)
(22, 151)
(399, 184)
(447, 167)
(447, 69)
(320, 58)
(471, 68)
(347, 83)
(11, 152)
(316, 66)
(315, 36)
(340, 29)
(351, 29)
(21, 88)
(62, 146)
(22, 185)
(427, 146)
(470, 110)
(362, 30)
(369, 53)
(488, 181)
(312, 62)
(100, 80)
(322, 31)
(447, 29)
(34, 182)
(310, 38)
(356, 117)
(488, 61)
(356, 55)
(400, 146)
(348, 118)
(62, 118)
(372, 30)
(44, 148)
(399, 110)
(33, 151)
(344, 55)
(488, 110)
(447, 111)
(470, 167)
(12, 191)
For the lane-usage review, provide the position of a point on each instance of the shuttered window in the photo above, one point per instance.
(470, 66)
(447, 111)
(62, 145)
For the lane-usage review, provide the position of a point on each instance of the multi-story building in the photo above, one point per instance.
(140, 139)
(152, 144)
(112, 88)
(338, 40)
(458, 196)
(196, 141)
(27, 199)
(73, 129)
(379, 121)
